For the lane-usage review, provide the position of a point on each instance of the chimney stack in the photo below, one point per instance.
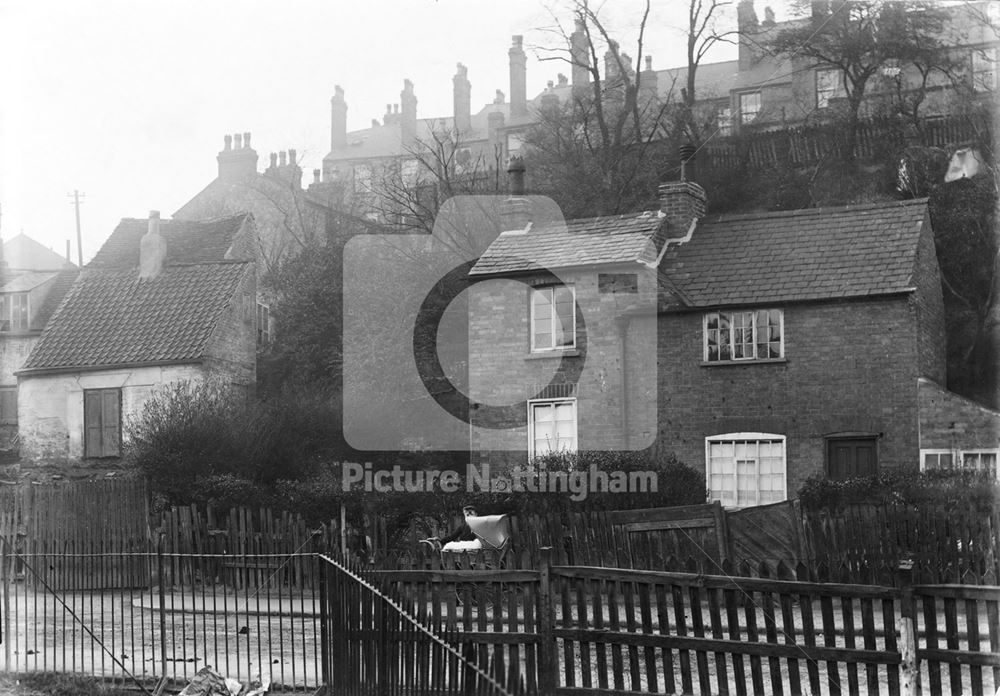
(338, 120)
(518, 78)
(237, 161)
(152, 249)
(580, 56)
(682, 202)
(408, 115)
(747, 25)
(515, 212)
(550, 100)
(462, 100)
(648, 82)
(282, 159)
(611, 69)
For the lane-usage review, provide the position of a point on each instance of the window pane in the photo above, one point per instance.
(563, 316)
(541, 301)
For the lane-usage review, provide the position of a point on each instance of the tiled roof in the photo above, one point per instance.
(588, 241)
(110, 317)
(27, 281)
(187, 241)
(60, 288)
(818, 253)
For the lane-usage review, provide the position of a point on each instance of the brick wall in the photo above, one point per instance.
(503, 370)
(850, 367)
(949, 421)
(232, 348)
(929, 304)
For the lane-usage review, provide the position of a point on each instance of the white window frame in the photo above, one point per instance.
(729, 314)
(532, 405)
(748, 117)
(735, 438)
(826, 92)
(553, 318)
(725, 120)
(7, 311)
(958, 458)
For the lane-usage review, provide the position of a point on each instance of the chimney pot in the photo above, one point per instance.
(274, 160)
(282, 159)
(227, 143)
(649, 62)
(246, 140)
(291, 156)
(238, 141)
(315, 176)
(563, 80)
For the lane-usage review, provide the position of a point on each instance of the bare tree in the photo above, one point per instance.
(703, 34)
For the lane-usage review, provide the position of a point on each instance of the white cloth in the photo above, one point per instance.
(457, 546)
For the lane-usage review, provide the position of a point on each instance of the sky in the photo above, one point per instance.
(127, 101)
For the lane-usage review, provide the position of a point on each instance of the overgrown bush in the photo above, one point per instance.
(208, 441)
(973, 490)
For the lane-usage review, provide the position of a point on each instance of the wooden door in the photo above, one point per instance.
(848, 458)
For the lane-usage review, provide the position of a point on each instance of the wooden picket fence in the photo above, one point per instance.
(570, 629)
(804, 145)
(74, 520)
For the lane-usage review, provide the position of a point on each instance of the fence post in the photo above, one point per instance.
(909, 677)
(324, 623)
(547, 663)
(163, 609)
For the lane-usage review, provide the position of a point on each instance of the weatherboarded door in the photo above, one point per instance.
(102, 421)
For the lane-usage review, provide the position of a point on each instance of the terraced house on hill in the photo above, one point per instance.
(787, 344)
(162, 301)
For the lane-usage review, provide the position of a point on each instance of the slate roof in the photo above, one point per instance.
(110, 317)
(60, 288)
(583, 242)
(187, 241)
(819, 253)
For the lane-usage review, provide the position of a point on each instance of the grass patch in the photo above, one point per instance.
(51, 684)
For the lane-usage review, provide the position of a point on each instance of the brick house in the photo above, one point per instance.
(160, 302)
(788, 344)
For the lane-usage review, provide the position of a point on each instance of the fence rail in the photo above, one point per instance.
(555, 628)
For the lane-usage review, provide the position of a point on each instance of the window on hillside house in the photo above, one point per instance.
(102, 422)
(14, 311)
(263, 324)
(725, 121)
(409, 171)
(829, 85)
(551, 426)
(553, 318)
(984, 69)
(745, 469)
(362, 178)
(969, 460)
(8, 405)
(745, 335)
(514, 143)
(749, 107)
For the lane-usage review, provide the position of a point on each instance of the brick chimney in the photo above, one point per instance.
(580, 55)
(515, 212)
(408, 113)
(338, 120)
(518, 77)
(152, 249)
(747, 25)
(681, 202)
(462, 100)
(648, 82)
(237, 161)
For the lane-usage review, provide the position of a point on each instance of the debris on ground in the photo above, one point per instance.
(208, 682)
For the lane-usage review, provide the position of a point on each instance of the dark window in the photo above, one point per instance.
(851, 457)
(615, 283)
(8, 405)
(102, 422)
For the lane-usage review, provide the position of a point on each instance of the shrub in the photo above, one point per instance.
(208, 441)
(973, 490)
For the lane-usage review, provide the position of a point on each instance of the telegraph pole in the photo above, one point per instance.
(76, 196)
